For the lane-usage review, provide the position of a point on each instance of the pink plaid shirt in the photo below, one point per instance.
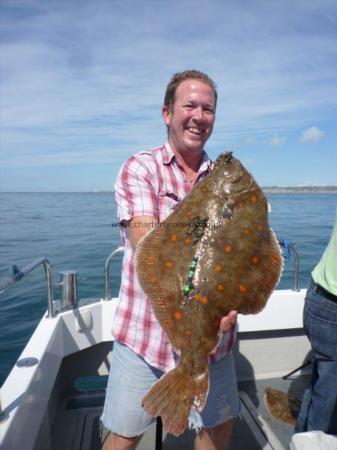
(150, 183)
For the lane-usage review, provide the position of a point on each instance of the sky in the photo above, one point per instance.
(82, 86)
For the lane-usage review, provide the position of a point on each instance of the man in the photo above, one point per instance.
(148, 188)
(319, 404)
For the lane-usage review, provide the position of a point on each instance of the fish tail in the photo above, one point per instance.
(172, 396)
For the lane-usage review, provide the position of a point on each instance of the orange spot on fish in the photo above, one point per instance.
(247, 231)
(221, 287)
(265, 282)
(174, 237)
(167, 323)
(198, 296)
(187, 241)
(204, 300)
(188, 333)
(169, 264)
(150, 260)
(228, 249)
(275, 258)
(204, 189)
(178, 315)
(218, 268)
(255, 259)
(253, 199)
(242, 288)
(259, 227)
(152, 278)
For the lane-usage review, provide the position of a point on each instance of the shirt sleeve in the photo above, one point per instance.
(134, 191)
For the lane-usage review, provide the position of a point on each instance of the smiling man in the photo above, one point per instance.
(189, 114)
(148, 188)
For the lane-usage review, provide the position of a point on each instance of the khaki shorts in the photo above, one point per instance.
(131, 377)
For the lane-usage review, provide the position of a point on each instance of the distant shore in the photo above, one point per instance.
(300, 189)
(267, 189)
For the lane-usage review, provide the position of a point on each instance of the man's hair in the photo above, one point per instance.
(182, 76)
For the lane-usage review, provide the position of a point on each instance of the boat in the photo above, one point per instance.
(53, 397)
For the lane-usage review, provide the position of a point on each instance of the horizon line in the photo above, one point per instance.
(98, 191)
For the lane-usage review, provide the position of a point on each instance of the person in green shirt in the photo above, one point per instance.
(319, 404)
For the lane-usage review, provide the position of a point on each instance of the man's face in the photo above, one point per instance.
(190, 123)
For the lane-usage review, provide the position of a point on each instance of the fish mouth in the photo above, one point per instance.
(228, 156)
(224, 159)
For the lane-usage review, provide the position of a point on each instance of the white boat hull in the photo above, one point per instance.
(269, 344)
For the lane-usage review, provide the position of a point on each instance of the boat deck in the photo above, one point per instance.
(76, 424)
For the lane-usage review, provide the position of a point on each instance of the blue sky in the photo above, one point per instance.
(82, 85)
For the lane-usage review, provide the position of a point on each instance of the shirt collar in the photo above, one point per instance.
(168, 156)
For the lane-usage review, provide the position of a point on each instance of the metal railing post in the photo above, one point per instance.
(296, 286)
(18, 274)
(290, 249)
(107, 272)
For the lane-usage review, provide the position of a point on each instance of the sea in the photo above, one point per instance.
(77, 231)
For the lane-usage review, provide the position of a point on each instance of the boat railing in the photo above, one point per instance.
(18, 274)
(290, 251)
(107, 272)
(69, 287)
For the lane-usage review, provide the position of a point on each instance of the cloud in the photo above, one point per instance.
(312, 134)
(76, 87)
(249, 140)
(277, 140)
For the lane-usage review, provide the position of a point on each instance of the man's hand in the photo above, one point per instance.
(227, 322)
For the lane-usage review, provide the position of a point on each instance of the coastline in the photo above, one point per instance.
(300, 189)
(267, 189)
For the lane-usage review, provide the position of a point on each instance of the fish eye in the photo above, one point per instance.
(227, 212)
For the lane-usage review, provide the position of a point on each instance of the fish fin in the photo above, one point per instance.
(281, 405)
(271, 266)
(149, 274)
(172, 396)
(278, 260)
(159, 275)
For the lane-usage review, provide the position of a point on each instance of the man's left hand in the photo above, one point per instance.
(229, 321)
(226, 324)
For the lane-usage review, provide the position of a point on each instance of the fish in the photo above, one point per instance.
(281, 405)
(214, 253)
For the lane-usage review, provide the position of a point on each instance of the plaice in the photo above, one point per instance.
(281, 405)
(215, 253)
